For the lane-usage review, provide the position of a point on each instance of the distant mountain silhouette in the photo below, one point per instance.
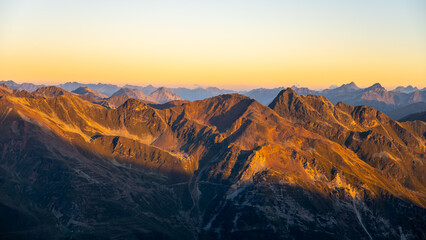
(136, 94)
(29, 87)
(407, 110)
(407, 89)
(106, 89)
(162, 95)
(199, 93)
(147, 89)
(421, 116)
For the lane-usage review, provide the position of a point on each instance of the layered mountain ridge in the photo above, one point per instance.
(223, 167)
(394, 103)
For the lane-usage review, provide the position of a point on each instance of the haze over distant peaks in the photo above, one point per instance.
(136, 94)
(107, 89)
(147, 89)
(162, 95)
(23, 86)
(407, 89)
(376, 95)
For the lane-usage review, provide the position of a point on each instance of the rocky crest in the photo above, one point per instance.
(397, 149)
(51, 92)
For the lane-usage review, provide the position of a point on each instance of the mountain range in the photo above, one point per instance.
(229, 167)
(398, 103)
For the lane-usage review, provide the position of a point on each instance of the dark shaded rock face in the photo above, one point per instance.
(225, 167)
(421, 116)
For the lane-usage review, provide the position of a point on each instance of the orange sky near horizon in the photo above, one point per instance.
(230, 45)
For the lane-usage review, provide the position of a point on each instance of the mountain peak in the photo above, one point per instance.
(86, 91)
(284, 99)
(135, 93)
(351, 86)
(288, 91)
(162, 95)
(51, 91)
(408, 89)
(376, 86)
(133, 104)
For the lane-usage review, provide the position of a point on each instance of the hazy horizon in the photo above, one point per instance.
(228, 87)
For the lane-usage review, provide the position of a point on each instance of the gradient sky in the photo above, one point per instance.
(233, 44)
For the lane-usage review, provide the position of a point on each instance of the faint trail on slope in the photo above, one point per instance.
(194, 193)
(358, 215)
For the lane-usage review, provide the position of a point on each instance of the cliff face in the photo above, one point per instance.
(224, 167)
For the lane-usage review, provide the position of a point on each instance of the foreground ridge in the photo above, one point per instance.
(222, 167)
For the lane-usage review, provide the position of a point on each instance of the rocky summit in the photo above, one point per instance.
(225, 167)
